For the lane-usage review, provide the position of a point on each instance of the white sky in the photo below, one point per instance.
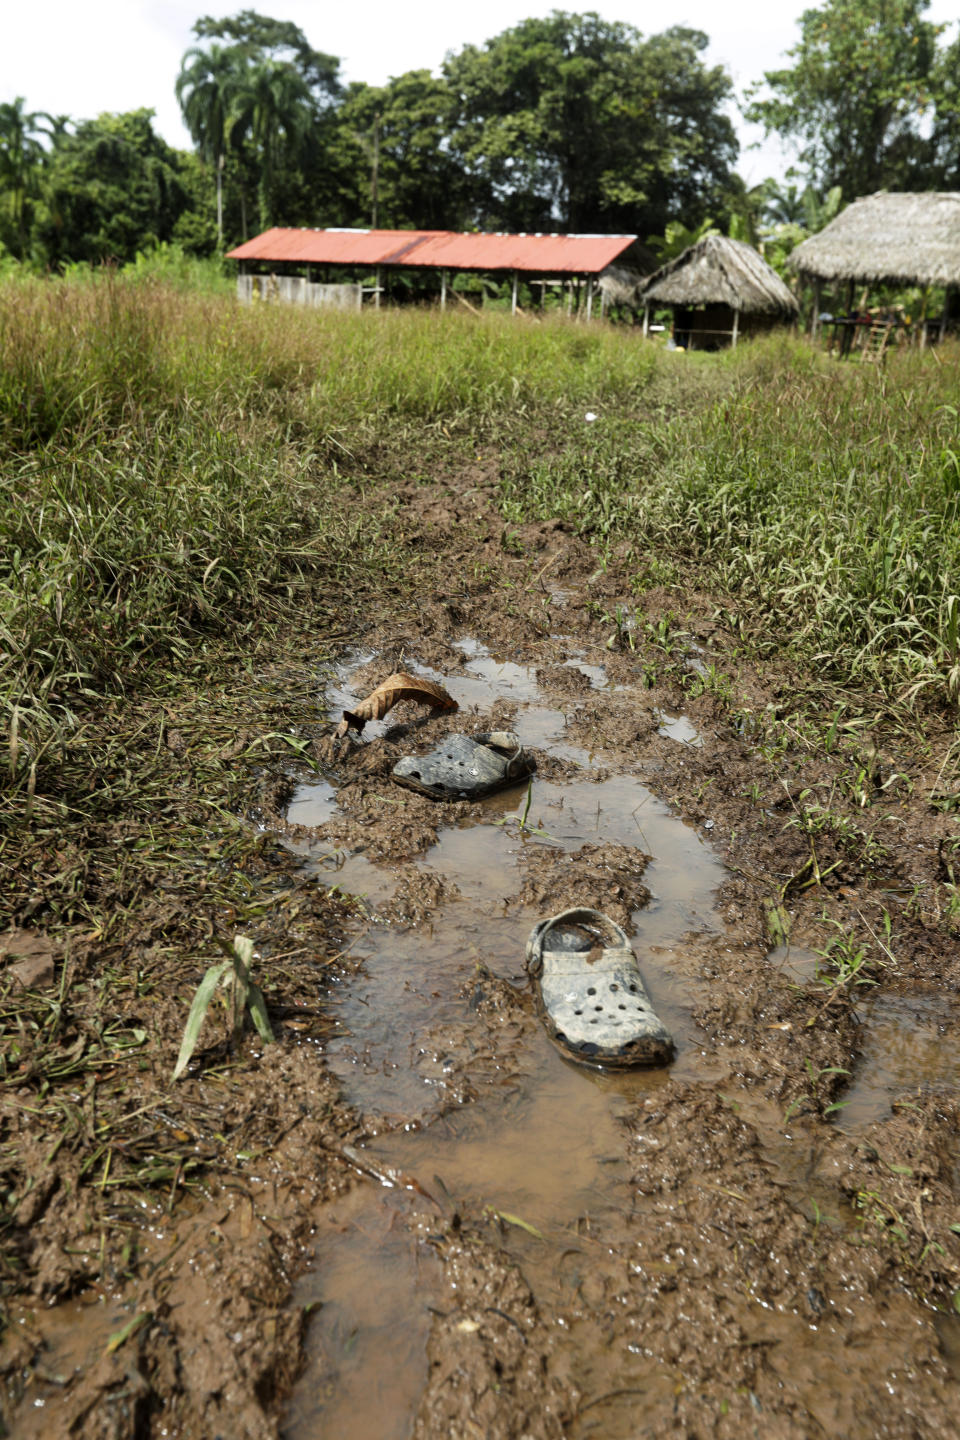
(82, 57)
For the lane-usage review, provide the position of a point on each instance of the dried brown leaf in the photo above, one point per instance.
(394, 689)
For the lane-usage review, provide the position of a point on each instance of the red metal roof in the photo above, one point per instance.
(439, 249)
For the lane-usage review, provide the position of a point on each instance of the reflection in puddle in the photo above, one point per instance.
(905, 1048)
(693, 662)
(678, 727)
(796, 963)
(596, 674)
(312, 804)
(347, 1389)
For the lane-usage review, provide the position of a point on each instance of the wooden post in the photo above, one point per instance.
(513, 298)
(736, 324)
(589, 297)
(646, 318)
(376, 297)
(815, 321)
(443, 289)
(569, 298)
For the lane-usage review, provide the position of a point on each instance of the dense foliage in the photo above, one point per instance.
(871, 98)
(569, 122)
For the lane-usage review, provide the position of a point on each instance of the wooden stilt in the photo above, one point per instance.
(376, 298)
(736, 324)
(589, 297)
(513, 298)
(443, 289)
(646, 319)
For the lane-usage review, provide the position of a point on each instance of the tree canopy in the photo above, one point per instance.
(865, 79)
(579, 121)
(21, 160)
(567, 122)
(112, 188)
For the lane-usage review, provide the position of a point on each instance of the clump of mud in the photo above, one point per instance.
(489, 1352)
(608, 878)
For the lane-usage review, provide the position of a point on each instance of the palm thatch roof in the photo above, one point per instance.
(720, 271)
(903, 238)
(620, 285)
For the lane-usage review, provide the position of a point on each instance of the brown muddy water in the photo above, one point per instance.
(542, 1141)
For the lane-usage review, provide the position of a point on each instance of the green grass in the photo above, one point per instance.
(173, 467)
(822, 498)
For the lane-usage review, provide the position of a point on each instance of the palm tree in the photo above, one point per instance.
(784, 204)
(21, 156)
(206, 87)
(275, 105)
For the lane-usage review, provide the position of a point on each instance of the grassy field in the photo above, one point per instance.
(169, 463)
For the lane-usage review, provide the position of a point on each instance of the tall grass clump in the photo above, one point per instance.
(162, 471)
(824, 498)
(151, 499)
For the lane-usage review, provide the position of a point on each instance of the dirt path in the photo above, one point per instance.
(489, 1240)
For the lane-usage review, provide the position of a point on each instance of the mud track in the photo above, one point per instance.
(451, 1230)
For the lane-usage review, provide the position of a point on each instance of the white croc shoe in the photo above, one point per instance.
(592, 998)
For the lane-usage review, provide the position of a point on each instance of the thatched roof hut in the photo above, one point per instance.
(901, 238)
(719, 289)
(720, 271)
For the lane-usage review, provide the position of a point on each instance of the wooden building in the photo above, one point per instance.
(296, 265)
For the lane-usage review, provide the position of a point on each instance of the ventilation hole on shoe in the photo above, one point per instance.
(614, 987)
(560, 1036)
(621, 1007)
(578, 1012)
(594, 1020)
(632, 989)
(416, 774)
(598, 1008)
(592, 990)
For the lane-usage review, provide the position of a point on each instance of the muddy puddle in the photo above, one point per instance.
(542, 1141)
(490, 1116)
(905, 1045)
(372, 1286)
(908, 1045)
(73, 1333)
